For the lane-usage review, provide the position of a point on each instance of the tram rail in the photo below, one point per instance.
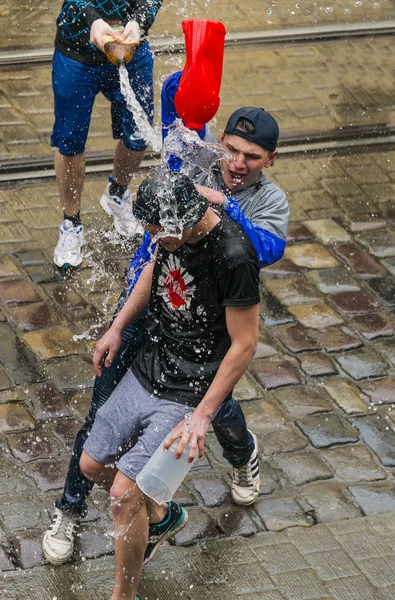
(173, 45)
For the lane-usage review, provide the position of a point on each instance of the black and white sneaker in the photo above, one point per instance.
(175, 520)
(246, 480)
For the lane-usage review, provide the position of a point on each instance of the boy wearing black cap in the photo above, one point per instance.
(202, 294)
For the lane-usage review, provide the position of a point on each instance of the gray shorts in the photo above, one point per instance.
(130, 426)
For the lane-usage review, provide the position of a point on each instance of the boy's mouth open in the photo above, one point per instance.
(237, 178)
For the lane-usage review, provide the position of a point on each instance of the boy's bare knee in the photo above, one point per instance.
(125, 496)
(90, 468)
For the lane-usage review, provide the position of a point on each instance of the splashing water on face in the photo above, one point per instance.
(147, 132)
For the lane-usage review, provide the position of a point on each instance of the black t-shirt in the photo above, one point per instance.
(186, 337)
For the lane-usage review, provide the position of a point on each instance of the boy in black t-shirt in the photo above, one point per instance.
(202, 293)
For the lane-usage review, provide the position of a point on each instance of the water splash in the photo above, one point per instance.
(194, 152)
(148, 133)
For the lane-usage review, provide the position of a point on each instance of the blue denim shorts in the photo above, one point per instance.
(76, 85)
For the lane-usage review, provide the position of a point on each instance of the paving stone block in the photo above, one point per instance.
(317, 364)
(20, 365)
(364, 544)
(200, 526)
(381, 391)
(301, 585)
(385, 289)
(316, 316)
(28, 549)
(375, 498)
(361, 264)
(5, 382)
(23, 513)
(7, 267)
(351, 303)
(35, 315)
(47, 402)
(334, 564)
(380, 571)
(313, 540)
(263, 416)
(214, 492)
(281, 557)
(96, 542)
(14, 417)
(329, 502)
(53, 342)
(297, 232)
(373, 326)
(298, 339)
(389, 264)
(5, 562)
(353, 588)
(295, 290)
(281, 268)
(33, 445)
(327, 231)
(31, 257)
(346, 395)
(264, 350)
(362, 364)
(184, 497)
(273, 312)
(387, 349)
(379, 243)
(73, 373)
(354, 464)
(278, 514)
(43, 273)
(64, 296)
(80, 404)
(337, 339)
(66, 430)
(247, 389)
(378, 436)
(333, 281)
(365, 222)
(311, 256)
(17, 291)
(300, 405)
(286, 440)
(275, 374)
(236, 521)
(324, 431)
(303, 468)
(48, 474)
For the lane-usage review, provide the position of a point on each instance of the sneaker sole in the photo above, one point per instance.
(244, 503)
(166, 536)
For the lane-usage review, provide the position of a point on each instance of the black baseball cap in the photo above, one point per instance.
(170, 186)
(266, 131)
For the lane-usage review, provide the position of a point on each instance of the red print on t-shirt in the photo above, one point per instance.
(175, 285)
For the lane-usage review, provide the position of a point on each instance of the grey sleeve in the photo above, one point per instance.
(269, 210)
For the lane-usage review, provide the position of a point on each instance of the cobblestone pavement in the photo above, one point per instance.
(336, 86)
(31, 23)
(344, 560)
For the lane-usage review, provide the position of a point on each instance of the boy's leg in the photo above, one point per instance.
(75, 87)
(71, 505)
(240, 448)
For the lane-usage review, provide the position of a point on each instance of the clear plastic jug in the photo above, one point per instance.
(163, 474)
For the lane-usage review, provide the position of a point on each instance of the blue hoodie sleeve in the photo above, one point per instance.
(269, 247)
(138, 261)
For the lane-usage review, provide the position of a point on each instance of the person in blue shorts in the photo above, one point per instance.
(80, 72)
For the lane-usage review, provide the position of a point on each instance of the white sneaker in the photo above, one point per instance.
(121, 209)
(58, 540)
(246, 480)
(68, 249)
